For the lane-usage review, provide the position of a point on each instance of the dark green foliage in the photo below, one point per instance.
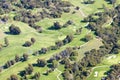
(14, 30)
(57, 26)
(13, 77)
(27, 44)
(36, 76)
(12, 62)
(43, 50)
(25, 57)
(33, 40)
(89, 1)
(68, 39)
(29, 69)
(41, 62)
(7, 64)
(69, 22)
(59, 43)
(6, 41)
(17, 58)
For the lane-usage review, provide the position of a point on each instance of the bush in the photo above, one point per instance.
(57, 25)
(41, 62)
(25, 57)
(27, 44)
(13, 77)
(29, 69)
(33, 40)
(14, 30)
(59, 43)
(88, 37)
(43, 50)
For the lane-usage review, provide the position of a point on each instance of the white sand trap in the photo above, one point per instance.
(112, 57)
(96, 74)
(74, 28)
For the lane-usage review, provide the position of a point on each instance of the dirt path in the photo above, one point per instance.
(58, 74)
(82, 13)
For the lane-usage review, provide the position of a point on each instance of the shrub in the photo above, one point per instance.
(25, 57)
(41, 62)
(57, 25)
(13, 77)
(14, 30)
(27, 44)
(33, 40)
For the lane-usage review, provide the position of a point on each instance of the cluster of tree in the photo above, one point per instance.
(13, 77)
(30, 4)
(36, 76)
(14, 30)
(58, 44)
(89, 1)
(29, 71)
(17, 58)
(41, 62)
(29, 43)
(58, 26)
(69, 54)
(48, 11)
(6, 43)
(113, 73)
(87, 37)
(5, 6)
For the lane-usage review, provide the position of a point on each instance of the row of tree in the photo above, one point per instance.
(17, 58)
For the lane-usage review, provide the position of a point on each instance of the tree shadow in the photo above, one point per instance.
(35, 65)
(8, 33)
(49, 65)
(21, 73)
(83, 39)
(51, 28)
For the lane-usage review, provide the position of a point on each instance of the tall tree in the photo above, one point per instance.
(29, 69)
(17, 58)
(41, 62)
(25, 57)
(6, 41)
(13, 77)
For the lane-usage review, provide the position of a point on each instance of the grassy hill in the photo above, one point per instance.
(48, 38)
